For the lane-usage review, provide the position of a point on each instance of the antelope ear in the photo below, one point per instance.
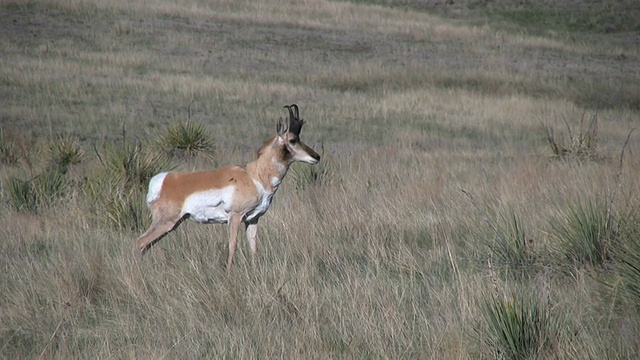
(282, 127)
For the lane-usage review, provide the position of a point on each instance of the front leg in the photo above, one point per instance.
(234, 221)
(252, 230)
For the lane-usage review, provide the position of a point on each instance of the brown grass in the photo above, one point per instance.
(385, 257)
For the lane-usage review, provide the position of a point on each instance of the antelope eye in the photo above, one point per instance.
(293, 141)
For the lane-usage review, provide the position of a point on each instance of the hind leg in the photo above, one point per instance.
(157, 230)
(234, 221)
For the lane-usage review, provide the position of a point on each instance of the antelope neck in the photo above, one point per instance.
(269, 169)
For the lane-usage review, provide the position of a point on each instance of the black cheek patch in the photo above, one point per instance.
(286, 154)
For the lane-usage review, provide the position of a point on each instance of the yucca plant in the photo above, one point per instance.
(585, 233)
(132, 166)
(117, 195)
(186, 139)
(65, 151)
(581, 143)
(518, 325)
(22, 195)
(33, 194)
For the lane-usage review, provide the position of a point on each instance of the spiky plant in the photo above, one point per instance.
(132, 166)
(65, 151)
(116, 194)
(581, 143)
(186, 139)
(518, 325)
(38, 192)
(585, 232)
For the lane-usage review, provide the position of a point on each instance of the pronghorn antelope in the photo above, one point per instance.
(232, 195)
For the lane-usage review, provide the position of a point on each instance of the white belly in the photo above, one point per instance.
(211, 206)
(214, 206)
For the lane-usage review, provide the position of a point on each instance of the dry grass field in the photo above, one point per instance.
(478, 195)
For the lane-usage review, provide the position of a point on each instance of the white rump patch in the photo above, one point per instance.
(155, 185)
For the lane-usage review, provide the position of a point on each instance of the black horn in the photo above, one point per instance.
(296, 111)
(295, 123)
(291, 114)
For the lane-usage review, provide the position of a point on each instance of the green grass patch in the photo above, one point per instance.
(567, 16)
(116, 194)
(533, 17)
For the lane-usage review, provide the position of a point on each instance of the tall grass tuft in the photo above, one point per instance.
(117, 195)
(114, 204)
(585, 233)
(518, 325)
(511, 246)
(51, 183)
(581, 143)
(186, 140)
(626, 258)
(125, 208)
(8, 154)
(34, 194)
(132, 166)
(628, 269)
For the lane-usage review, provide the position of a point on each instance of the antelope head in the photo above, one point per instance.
(289, 133)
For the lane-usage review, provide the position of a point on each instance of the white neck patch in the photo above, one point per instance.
(282, 169)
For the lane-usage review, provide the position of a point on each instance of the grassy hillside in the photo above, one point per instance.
(478, 195)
